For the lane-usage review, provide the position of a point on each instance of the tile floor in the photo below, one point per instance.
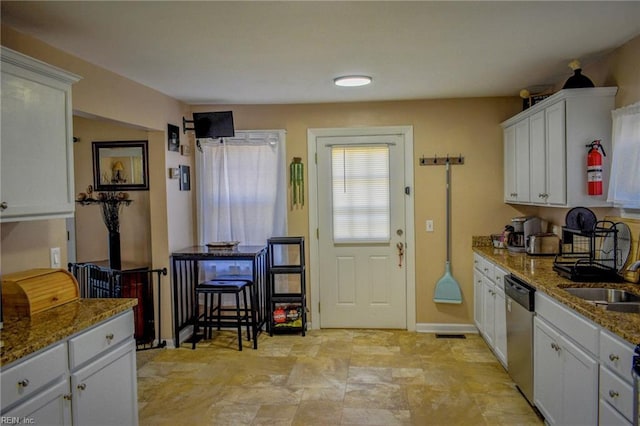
(330, 377)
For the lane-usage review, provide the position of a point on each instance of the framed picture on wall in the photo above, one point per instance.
(173, 137)
(185, 178)
(120, 166)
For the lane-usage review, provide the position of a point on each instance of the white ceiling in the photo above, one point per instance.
(246, 52)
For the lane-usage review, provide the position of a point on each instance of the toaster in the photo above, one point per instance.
(543, 244)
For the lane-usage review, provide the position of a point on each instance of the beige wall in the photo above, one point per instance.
(105, 96)
(467, 126)
(470, 127)
(91, 233)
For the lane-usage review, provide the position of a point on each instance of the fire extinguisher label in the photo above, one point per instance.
(594, 173)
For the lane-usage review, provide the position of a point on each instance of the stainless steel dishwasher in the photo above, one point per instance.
(520, 309)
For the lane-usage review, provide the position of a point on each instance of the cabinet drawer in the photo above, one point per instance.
(616, 392)
(477, 261)
(27, 377)
(616, 354)
(608, 416)
(107, 335)
(485, 266)
(581, 330)
(499, 277)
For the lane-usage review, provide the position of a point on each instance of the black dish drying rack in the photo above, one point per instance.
(589, 255)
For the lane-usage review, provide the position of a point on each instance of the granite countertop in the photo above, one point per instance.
(538, 271)
(22, 337)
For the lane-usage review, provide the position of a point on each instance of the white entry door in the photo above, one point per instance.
(361, 231)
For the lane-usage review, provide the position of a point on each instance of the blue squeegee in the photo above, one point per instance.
(447, 288)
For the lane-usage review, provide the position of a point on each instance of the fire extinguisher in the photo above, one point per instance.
(594, 168)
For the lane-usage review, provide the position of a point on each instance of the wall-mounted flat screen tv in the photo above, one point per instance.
(213, 125)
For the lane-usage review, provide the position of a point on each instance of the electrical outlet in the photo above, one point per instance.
(55, 257)
(429, 225)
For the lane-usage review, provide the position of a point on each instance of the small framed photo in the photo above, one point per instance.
(173, 137)
(185, 178)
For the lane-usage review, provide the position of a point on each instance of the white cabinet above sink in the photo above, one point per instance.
(545, 148)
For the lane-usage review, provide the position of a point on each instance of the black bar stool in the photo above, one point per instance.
(213, 310)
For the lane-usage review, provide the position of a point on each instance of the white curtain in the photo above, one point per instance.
(242, 188)
(624, 185)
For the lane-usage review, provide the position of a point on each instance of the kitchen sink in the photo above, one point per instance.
(630, 307)
(603, 295)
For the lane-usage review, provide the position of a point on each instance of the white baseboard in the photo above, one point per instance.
(446, 328)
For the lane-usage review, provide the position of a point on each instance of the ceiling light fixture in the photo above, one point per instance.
(352, 80)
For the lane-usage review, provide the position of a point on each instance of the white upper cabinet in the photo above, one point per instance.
(516, 162)
(36, 155)
(546, 147)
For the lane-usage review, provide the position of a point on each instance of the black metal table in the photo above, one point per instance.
(186, 274)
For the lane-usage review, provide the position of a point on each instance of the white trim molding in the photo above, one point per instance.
(446, 328)
(406, 132)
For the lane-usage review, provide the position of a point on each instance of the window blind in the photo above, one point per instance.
(360, 193)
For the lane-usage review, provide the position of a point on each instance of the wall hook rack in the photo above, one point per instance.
(441, 161)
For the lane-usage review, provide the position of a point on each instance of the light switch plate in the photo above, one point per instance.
(429, 225)
(174, 172)
(55, 257)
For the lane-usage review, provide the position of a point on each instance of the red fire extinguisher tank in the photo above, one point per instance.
(594, 168)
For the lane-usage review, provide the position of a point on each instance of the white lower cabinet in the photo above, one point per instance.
(107, 379)
(489, 311)
(50, 407)
(565, 378)
(489, 306)
(87, 379)
(478, 300)
(500, 318)
(616, 381)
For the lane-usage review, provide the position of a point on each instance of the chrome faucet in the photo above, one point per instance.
(635, 266)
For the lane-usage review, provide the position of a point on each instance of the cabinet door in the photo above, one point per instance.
(522, 161)
(37, 158)
(488, 310)
(478, 302)
(50, 407)
(105, 391)
(547, 371)
(510, 188)
(580, 386)
(556, 164)
(500, 321)
(537, 156)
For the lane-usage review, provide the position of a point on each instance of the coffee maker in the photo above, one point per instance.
(523, 227)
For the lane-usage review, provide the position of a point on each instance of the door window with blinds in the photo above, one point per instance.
(360, 193)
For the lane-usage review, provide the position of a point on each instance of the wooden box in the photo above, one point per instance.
(35, 290)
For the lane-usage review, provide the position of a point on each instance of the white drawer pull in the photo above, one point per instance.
(109, 336)
(613, 394)
(613, 357)
(23, 383)
(82, 386)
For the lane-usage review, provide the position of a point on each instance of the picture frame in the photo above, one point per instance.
(185, 178)
(173, 138)
(120, 166)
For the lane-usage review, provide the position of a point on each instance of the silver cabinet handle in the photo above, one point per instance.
(3, 205)
(82, 386)
(109, 336)
(67, 396)
(613, 394)
(613, 357)
(23, 383)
